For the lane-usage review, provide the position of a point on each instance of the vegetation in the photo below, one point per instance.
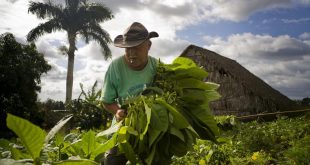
(284, 141)
(305, 102)
(88, 113)
(21, 67)
(77, 17)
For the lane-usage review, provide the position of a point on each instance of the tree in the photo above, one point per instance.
(21, 67)
(77, 17)
(305, 101)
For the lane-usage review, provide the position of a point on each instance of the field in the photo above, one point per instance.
(283, 141)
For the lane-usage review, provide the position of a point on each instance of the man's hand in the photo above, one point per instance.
(120, 114)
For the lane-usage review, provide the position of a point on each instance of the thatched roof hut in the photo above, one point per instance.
(242, 92)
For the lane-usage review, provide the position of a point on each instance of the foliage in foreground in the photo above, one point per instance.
(284, 141)
(35, 146)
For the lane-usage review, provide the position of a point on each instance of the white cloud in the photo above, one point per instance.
(305, 36)
(15, 19)
(296, 20)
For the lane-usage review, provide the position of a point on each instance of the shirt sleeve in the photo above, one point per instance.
(109, 91)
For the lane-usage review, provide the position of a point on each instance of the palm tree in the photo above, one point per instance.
(77, 17)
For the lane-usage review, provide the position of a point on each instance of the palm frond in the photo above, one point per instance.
(93, 27)
(87, 14)
(42, 10)
(98, 12)
(47, 27)
(73, 5)
(104, 45)
(83, 32)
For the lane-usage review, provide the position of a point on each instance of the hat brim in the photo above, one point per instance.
(120, 42)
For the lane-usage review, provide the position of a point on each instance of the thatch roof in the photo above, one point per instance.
(225, 67)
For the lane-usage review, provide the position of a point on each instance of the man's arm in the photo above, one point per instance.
(115, 110)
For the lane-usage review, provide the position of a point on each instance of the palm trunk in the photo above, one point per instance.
(69, 85)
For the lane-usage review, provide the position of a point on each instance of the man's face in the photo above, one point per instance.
(136, 57)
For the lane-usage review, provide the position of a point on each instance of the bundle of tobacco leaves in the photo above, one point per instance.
(167, 118)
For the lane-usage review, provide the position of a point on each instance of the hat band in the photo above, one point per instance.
(134, 38)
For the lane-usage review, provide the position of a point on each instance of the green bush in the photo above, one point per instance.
(88, 111)
(299, 152)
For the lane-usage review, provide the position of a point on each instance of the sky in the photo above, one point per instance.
(270, 38)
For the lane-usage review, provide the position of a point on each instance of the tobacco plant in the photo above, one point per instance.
(35, 144)
(168, 118)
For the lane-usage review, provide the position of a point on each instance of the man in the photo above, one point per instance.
(128, 75)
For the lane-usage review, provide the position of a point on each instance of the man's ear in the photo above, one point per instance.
(150, 44)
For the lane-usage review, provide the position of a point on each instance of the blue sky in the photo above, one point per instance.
(269, 38)
(289, 21)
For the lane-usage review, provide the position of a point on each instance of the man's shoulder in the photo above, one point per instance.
(116, 63)
(117, 60)
(153, 60)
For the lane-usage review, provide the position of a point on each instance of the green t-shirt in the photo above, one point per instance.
(121, 82)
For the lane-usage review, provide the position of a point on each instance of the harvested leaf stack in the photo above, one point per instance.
(167, 118)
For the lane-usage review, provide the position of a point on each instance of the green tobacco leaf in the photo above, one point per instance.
(155, 90)
(203, 131)
(122, 136)
(197, 96)
(183, 63)
(77, 162)
(56, 128)
(153, 135)
(88, 143)
(18, 154)
(177, 147)
(212, 95)
(148, 113)
(204, 115)
(111, 130)
(150, 157)
(178, 119)
(194, 83)
(190, 137)
(212, 86)
(132, 131)
(159, 119)
(129, 152)
(59, 139)
(176, 132)
(31, 135)
(5, 144)
(194, 96)
(127, 129)
(200, 128)
(74, 148)
(105, 146)
(197, 73)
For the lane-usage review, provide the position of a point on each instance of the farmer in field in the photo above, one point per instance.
(127, 76)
